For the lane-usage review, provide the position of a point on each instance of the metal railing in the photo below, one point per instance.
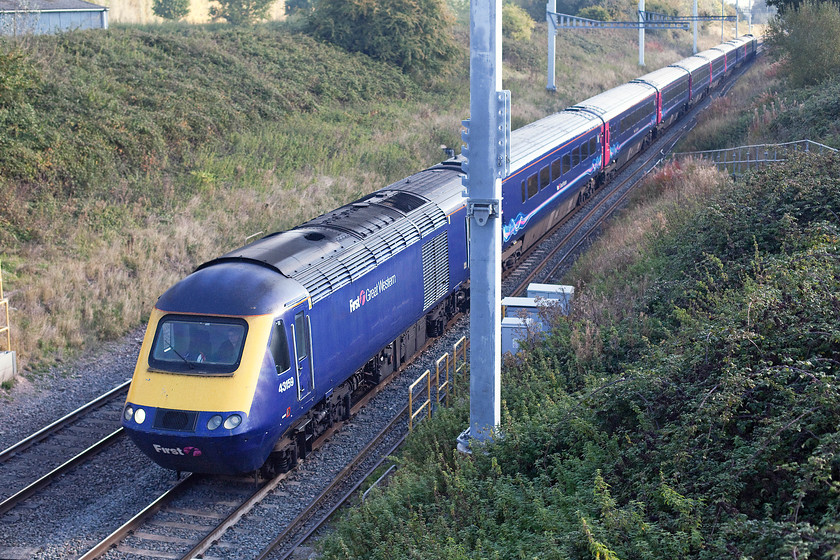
(443, 381)
(740, 160)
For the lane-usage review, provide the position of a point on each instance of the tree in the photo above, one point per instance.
(598, 13)
(807, 40)
(415, 35)
(516, 23)
(171, 9)
(240, 12)
(783, 6)
(298, 6)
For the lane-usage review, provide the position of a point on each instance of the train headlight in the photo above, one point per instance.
(214, 422)
(128, 414)
(140, 416)
(233, 421)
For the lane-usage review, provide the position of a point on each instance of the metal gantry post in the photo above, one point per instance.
(487, 137)
(641, 32)
(550, 10)
(694, 13)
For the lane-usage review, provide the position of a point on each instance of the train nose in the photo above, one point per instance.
(204, 442)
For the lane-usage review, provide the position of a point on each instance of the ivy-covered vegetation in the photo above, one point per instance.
(698, 418)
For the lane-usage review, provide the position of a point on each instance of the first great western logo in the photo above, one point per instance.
(367, 295)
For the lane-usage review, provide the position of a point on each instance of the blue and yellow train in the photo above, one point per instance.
(254, 354)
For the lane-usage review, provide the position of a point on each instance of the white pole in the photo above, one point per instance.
(736, 19)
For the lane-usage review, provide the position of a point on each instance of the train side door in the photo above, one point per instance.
(302, 348)
(606, 145)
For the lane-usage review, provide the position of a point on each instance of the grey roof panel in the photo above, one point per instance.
(662, 77)
(617, 100)
(692, 63)
(711, 54)
(538, 137)
(49, 5)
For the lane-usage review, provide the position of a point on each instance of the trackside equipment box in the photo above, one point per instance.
(514, 330)
(562, 294)
(8, 366)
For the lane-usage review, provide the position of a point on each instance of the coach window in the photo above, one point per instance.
(575, 157)
(279, 347)
(593, 146)
(533, 185)
(524, 192)
(556, 171)
(545, 177)
(567, 163)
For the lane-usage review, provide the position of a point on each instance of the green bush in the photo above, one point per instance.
(415, 35)
(171, 9)
(806, 40)
(240, 12)
(516, 23)
(597, 13)
(717, 435)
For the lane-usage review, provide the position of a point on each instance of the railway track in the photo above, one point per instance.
(207, 518)
(546, 262)
(36, 461)
(192, 517)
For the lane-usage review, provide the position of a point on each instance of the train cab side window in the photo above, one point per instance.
(567, 163)
(556, 170)
(279, 347)
(301, 336)
(533, 185)
(545, 177)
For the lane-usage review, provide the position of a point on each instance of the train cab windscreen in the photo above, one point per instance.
(198, 346)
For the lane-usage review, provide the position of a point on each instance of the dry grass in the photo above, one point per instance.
(664, 197)
(98, 267)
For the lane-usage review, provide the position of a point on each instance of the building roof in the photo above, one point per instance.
(49, 6)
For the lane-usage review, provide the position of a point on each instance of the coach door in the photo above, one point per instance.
(302, 343)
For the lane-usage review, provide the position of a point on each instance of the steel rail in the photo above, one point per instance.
(47, 431)
(640, 169)
(117, 536)
(45, 480)
(307, 514)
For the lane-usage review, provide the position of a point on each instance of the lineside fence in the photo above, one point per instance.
(429, 390)
(743, 159)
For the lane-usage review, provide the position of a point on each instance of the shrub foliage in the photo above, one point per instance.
(240, 12)
(807, 39)
(415, 35)
(171, 9)
(700, 423)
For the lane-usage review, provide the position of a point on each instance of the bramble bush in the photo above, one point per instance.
(716, 435)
